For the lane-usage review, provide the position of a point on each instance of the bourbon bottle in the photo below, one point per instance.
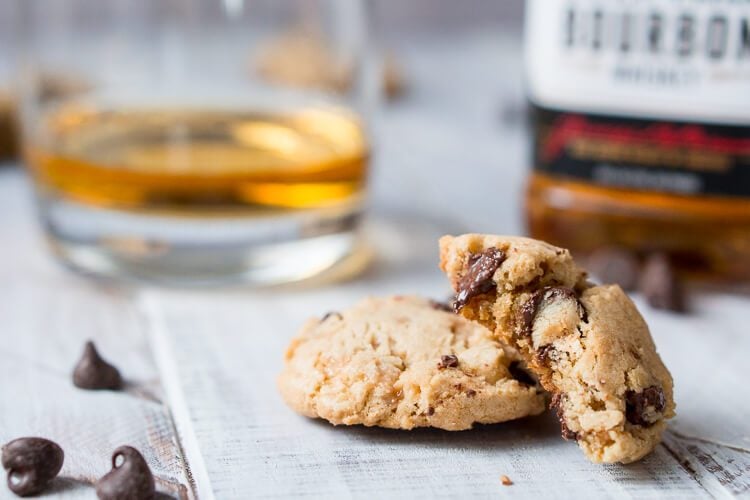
(641, 129)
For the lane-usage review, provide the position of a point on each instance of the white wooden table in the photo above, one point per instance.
(201, 365)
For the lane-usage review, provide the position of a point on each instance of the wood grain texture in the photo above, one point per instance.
(47, 314)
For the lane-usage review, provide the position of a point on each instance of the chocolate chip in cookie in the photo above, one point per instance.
(548, 315)
(448, 361)
(544, 297)
(644, 408)
(331, 314)
(565, 431)
(478, 278)
(545, 353)
(440, 306)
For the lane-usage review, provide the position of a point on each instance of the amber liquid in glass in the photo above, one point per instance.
(707, 236)
(196, 162)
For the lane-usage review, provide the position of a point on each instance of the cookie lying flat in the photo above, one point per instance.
(588, 345)
(405, 362)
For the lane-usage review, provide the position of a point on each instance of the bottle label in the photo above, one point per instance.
(651, 95)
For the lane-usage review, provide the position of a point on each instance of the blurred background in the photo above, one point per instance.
(436, 112)
(463, 114)
(451, 112)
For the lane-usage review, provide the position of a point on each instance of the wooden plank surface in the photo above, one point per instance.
(47, 314)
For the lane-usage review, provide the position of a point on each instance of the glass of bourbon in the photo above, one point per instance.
(199, 141)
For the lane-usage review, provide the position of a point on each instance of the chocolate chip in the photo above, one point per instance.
(440, 306)
(660, 285)
(471, 393)
(32, 463)
(565, 431)
(521, 375)
(330, 314)
(430, 411)
(530, 308)
(448, 361)
(93, 372)
(545, 353)
(130, 477)
(478, 277)
(615, 265)
(641, 406)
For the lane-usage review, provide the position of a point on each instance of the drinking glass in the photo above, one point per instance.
(198, 141)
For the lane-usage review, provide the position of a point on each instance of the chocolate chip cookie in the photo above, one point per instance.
(404, 362)
(588, 345)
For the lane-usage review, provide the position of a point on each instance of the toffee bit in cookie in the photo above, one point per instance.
(565, 431)
(331, 314)
(615, 265)
(522, 376)
(660, 285)
(32, 463)
(644, 408)
(130, 477)
(440, 306)
(505, 480)
(478, 277)
(448, 361)
(92, 372)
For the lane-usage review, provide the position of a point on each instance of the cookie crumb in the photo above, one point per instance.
(505, 480)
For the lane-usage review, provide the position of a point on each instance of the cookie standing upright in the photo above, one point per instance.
(404, 362)
(588, 344)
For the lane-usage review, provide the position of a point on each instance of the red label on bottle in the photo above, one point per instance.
(679, 157)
